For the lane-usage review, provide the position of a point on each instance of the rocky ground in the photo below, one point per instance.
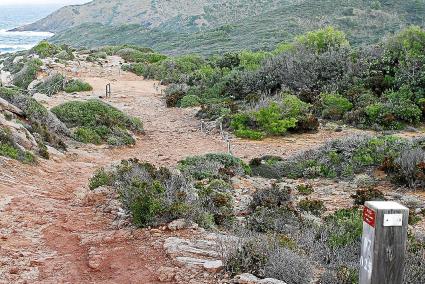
(54, 230)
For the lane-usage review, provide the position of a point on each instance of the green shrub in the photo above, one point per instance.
(174, 94)
(27, 74)
(271, 197)
(273, 119)
(339, 158)
(87, 135)
(95, 119)
(369, 194)
(51, 85)
(213, 166)
(334, 106)
(250, 60)
(65, 55)
(305, 189)
(45, 49)
(76, 85)
(263, 257)
(216, 198)
(190, 101)
(323, 39)
(135, 55)
(100, 178)
(315, 207)
(249, 134)
(155, 196)
(346, 226)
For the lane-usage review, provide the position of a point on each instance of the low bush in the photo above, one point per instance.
(152, 196)
(190, 101)
(174, 94)
(276, 118)
(51, 85)
(134, 55)
(75, 85)
(100, 178)
(369, 194)
(339, 158)
(305, 189)
(264, 257)
(282, 220)
(45, 49)
(315, 207)
(217, 199)
(276, 196)
(65, 55)
(397, 108)
(334, 106)
(27, 74)
(155, 196)
(409, 168)
(97, 122)
(213, 166)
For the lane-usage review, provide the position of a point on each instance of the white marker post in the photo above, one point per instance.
(383, 242)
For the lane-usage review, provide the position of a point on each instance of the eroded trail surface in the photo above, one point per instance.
(49, 231)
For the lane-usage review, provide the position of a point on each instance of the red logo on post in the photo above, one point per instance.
(369, 216)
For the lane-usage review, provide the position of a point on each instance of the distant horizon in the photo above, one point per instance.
(42, 2)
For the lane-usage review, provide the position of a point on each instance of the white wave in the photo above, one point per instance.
(26, 34)
(16, 46)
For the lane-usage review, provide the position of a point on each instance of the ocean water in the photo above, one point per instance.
(15, 16)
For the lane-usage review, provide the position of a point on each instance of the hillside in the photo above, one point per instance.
(75, 214)
(209, 26)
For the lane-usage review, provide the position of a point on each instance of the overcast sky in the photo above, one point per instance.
(41, 2)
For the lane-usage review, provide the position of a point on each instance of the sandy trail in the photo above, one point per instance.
(48, 235)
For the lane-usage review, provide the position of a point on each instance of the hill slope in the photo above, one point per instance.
(209, 26)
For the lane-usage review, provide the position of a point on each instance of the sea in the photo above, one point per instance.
(15, 16)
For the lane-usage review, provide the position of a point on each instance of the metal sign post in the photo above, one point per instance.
(383, 242)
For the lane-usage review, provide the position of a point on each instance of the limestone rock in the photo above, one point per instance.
(209, 265)
(19, 134)
(177, 246)
(247, 278)
(178, 224)
(6, 106)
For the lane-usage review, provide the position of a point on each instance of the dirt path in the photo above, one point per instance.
(49, 235)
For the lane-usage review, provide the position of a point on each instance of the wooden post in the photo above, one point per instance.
(383, 242)
(202, 126)
(229, 145)
(108, 90)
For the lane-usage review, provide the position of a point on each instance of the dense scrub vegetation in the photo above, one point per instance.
(317, 76)
(96, 122)
(200, 192)
(401, 159)
(45, 49)
(276, 237)
(57, 83)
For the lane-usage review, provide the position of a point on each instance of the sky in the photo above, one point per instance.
(41, 2)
